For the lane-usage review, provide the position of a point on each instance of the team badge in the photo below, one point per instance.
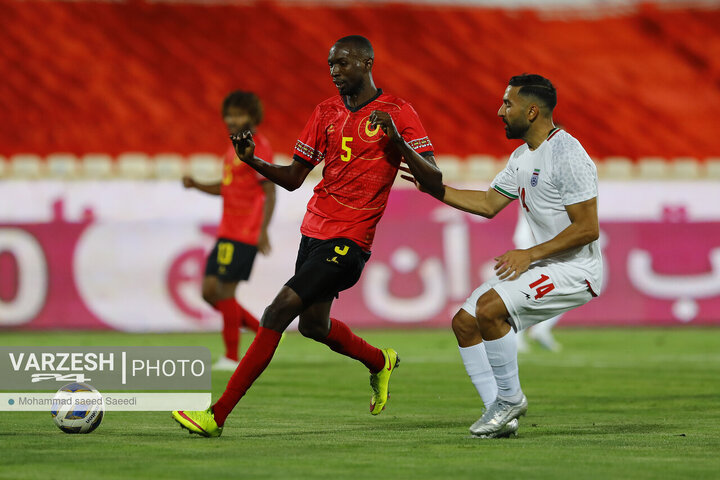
(534, 178)
(367, 132)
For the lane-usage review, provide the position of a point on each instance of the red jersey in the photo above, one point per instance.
(360, 165)
(243, 195)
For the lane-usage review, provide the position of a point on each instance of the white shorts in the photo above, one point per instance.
(541, 293)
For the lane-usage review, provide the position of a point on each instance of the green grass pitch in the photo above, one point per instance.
(615, 403)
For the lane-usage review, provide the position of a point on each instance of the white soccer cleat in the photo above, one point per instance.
(498, 415)
(509, 430)
(226, 364)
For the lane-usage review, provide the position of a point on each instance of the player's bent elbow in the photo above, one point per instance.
(487, 212)
(292, 185)
(591, 235)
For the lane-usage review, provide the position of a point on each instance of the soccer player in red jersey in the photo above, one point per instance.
(248, 203)
(338, 229)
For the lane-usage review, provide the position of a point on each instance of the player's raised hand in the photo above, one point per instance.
(386, 124)
(511, 264)
(244, 145)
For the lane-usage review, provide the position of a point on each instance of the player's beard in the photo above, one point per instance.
(351, 88)
(515, 131)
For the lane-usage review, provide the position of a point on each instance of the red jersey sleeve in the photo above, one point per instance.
(263, 150)
(409, 126)
(312, 143)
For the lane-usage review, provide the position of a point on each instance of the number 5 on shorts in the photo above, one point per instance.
(542, 290)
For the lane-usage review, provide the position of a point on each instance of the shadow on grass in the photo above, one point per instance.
(601, 429)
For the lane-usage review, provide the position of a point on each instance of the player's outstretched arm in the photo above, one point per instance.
(484, 203)
(211, 188)
(479, 202)
(423, 169)
(289, 177)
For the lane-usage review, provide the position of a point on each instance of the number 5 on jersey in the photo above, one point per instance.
(345, 157)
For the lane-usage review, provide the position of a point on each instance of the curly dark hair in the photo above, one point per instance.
(248, 101)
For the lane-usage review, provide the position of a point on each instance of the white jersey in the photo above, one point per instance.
(523, 236)
(557, 173)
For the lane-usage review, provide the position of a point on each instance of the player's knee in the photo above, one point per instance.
(209, 295)
(312, 330)
(463, 325)
(487, 318)
(276, 316)
(210, 290)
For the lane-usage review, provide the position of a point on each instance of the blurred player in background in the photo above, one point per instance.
(338, 229)
(540, 332)
(556, 183)
(248, 204)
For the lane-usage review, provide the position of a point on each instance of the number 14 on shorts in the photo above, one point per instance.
(541, 286)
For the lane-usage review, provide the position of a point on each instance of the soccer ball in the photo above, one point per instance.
(77, 408)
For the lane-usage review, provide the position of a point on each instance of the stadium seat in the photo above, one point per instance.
(205, 167)
(282, 159)
(684, 168)
(26, 166)
(712, 168)
(136, 108)
(653, 168)
(482, 167)
(452, 167)
(168, 166)
(96, 166)
(615, 168)
(133, 166)
(62, 165)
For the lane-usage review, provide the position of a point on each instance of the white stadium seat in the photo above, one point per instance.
(133, 166)
(616, 168)
(26, 166)
(62, 165)
(205, 167)
(282, 159)
(452, 168)
(168, 166)
(96, 166)
(653, 168)
(685, 168)
(482, 167)
(712, 168)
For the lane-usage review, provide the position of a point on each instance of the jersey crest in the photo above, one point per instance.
(534, 178)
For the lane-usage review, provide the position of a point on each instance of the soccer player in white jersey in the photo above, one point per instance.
(540, 332)
(556, 184)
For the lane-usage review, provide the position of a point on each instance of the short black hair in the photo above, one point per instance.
(537, 86)
(358, 42)
(247, 101)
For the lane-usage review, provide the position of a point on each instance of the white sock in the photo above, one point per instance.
(502, 356)
(480, 372)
